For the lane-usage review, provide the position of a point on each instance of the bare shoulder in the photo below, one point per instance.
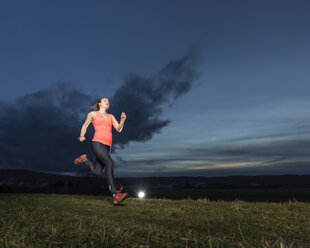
(91, 114)
(112, 116)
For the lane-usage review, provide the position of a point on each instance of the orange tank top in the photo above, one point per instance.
(103, 129)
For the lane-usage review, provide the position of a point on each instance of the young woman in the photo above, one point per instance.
(101, 144)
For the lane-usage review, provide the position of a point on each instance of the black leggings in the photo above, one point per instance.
(103, 159)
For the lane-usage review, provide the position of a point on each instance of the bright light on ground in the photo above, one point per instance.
(141, 194)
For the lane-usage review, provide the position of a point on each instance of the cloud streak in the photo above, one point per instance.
(268, 157)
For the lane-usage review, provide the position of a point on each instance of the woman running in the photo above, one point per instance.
(101, 144)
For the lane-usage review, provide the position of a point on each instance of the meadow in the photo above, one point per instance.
(64, 220)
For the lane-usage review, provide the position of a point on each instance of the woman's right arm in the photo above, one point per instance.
(85, 125)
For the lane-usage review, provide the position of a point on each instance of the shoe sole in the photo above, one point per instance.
(76, 160)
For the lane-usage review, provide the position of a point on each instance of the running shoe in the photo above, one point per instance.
(119, 197)
(80, 159)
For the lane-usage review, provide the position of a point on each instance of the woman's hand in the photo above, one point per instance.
(82, 139)
(123, 116)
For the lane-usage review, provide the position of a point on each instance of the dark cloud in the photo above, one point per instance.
(142, 98)
(39, 130)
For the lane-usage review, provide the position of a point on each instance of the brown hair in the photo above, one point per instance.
(96, 106)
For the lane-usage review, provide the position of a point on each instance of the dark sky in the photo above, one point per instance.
(210, 88)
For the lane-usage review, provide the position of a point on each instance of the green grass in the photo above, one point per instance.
(52, 220)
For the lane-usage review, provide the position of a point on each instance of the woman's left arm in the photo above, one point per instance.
(119, 126)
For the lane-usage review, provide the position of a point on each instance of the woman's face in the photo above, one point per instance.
(105, 103)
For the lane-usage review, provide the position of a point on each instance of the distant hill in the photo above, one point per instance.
(34, 178)
(251, 188)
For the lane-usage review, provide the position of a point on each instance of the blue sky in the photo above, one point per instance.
(210, 88)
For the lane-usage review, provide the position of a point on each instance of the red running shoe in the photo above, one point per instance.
(119, 197)
(80, 159)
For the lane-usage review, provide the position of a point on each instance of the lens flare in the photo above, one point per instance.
(141, 194)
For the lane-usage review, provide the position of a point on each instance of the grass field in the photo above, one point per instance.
(53, 220)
